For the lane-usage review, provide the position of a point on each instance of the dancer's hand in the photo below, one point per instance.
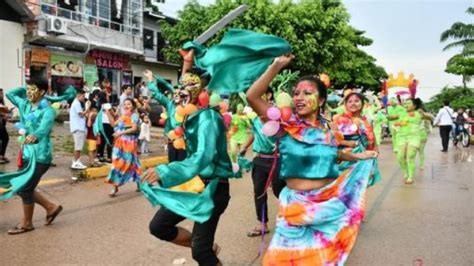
(150, 176)
(118, 134)
(282, 61)
(369, 155)
(30, 139)
(148, 75)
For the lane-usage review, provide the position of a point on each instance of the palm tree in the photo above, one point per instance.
(463, 36)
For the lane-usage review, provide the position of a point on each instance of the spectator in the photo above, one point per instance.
(143, 106)
(96, 87)
(77, 123)
(144, 136)
(91, 138)
(106, 137)
(444, 119)
(4, 138)
(144, 90)
(126, 93)
(86, 89)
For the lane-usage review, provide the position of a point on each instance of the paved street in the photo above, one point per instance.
(428, 223)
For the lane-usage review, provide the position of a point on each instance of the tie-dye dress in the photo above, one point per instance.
(125, 163)
(317, 227)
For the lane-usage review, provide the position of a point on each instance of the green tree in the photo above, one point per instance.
(463, 36)
(459, 97)
(323, 41)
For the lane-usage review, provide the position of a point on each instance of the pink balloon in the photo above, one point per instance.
(270, 128)
(273, 113)
(227, 118)
(235, 167)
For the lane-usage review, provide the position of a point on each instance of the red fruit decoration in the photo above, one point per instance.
(286, 113)
(162, 122)
(179, 131)
(203, 99)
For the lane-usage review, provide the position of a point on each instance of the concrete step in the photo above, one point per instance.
(103, 171)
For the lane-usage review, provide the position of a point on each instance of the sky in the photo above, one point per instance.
(405, 33)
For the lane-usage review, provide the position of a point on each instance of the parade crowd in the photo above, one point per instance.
(318, 155)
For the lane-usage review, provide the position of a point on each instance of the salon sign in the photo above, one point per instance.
(105, 59)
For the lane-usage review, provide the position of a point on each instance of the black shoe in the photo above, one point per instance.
(101, 159)
(444, 150)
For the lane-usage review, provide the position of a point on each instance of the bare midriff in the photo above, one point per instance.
(307, 184)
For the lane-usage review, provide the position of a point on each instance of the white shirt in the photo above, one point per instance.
(76, 122)
(144, 132)
(144, 91)
(444, 117)
(122, 99)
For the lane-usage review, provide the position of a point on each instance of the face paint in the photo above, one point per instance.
(33, 93)
(192, 84)
(312, 102)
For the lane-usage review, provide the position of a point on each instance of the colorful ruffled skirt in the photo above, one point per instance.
(319, 227)
(125, 164)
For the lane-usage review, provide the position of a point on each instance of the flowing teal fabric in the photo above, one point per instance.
(168, 104)
(363, 142)
(15, 181)
(195, 206)
(160, 80)
(206, 146)
(98, 127)
(261, 143)
(239, 59)
(68, 94)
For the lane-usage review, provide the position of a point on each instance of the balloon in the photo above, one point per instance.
(283, 100)
(190, 108)
(21, 139)
(162, 122)
(270, 128)
(235, 168)
(252, 115)
(19, 125)
(325, 80)
(179, 131)
(179, 118)
(163, 115)
(22, 131)
(227, 118)
(273, 113)
(180, 111)
(31, 117)
(223, 107)
(179, 144)
(44, 103)
(214, 100)
(172, 135)
(203, 99)
(286, 113)
(56, 105)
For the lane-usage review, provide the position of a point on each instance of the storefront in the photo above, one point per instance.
(113, 71)
(58, 69)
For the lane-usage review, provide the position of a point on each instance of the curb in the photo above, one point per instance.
(103, 171)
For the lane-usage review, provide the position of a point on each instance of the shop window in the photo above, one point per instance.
(148, 39)
(161, 44)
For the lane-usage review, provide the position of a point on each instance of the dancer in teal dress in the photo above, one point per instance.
(320, 209)
(35, 126)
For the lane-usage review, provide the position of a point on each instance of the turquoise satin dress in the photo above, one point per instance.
(207, 157)
(168, 104)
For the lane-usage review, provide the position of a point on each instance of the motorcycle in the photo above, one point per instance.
(462, 135)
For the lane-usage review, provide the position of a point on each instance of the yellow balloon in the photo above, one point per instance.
(179, 118)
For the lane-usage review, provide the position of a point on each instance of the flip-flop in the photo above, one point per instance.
(50, 218)
(19, 230)
(257, 232)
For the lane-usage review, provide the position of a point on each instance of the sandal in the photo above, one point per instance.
(50, 218)
(257, 232)
(114, 192)
(19, 230)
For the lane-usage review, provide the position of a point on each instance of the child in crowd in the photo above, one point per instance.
(144, 136)
(91, 138)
